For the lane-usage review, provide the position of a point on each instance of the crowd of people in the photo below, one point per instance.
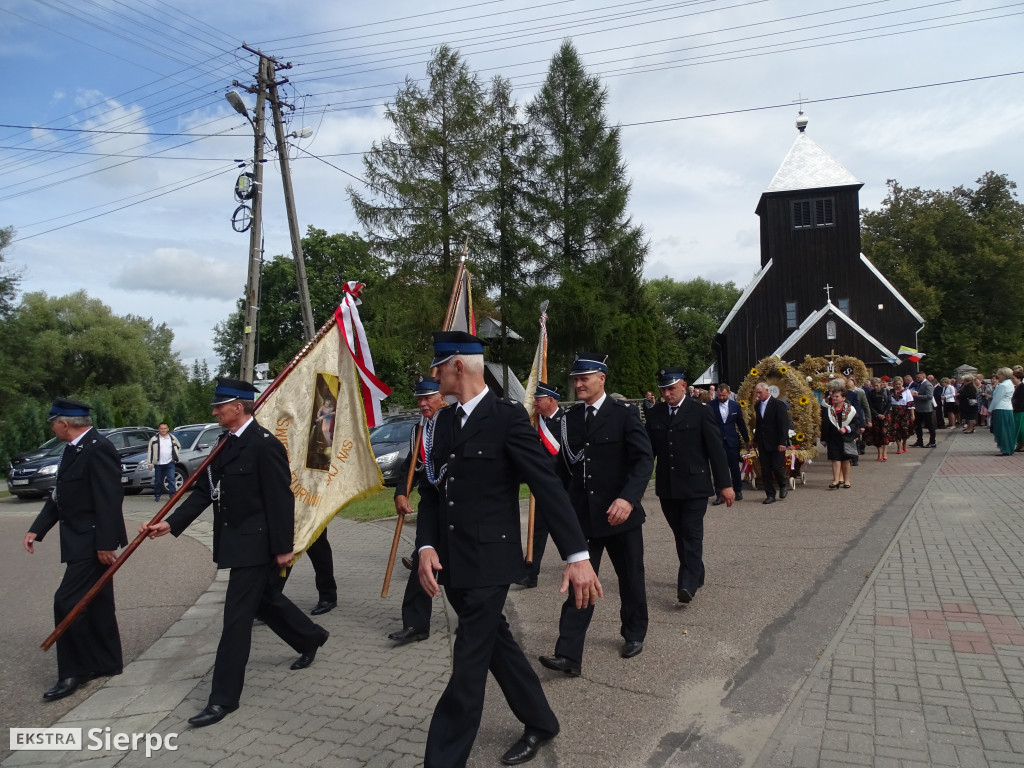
(588, 465)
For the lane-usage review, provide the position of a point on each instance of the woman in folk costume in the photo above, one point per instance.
(1004, 428)
(840, 425)
(880, 403)
(902, 422)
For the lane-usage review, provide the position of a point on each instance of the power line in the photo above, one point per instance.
(123, 207)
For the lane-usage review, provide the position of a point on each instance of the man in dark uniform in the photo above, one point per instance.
(549, 426)
(607, 463)
(771, 433)
(686, 442)
(253, 531)
(468, 531)
(87, 502)
(729, 418)
(416, 603)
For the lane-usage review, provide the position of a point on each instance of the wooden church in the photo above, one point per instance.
(815, 292)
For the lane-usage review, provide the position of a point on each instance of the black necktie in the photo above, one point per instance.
(672, 411)
(457, 426)
(591, 413)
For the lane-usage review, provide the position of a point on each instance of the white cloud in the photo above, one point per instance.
(180, 273)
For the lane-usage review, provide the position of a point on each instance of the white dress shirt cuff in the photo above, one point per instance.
(577, 556)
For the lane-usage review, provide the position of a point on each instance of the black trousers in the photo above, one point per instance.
(92, 643)
(772, 461)
(540, 541)
(483, 642)
(255, 592)
(920, 420)
(686, 519)
(732, 455)
(416, 605)
(626, 551)
(322, 559)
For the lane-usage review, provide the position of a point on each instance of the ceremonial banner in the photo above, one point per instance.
(319, 414)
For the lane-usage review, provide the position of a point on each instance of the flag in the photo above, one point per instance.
(893, 360)
(319, 413)
(460, 306)
(912, 354)
(538, 371)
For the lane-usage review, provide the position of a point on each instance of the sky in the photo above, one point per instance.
(118, 150)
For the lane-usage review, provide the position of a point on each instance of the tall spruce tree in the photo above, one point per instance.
(590, 253)
(507, 246)
(425, 194)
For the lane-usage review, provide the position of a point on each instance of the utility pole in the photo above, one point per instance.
(293, 220)
(252, 284)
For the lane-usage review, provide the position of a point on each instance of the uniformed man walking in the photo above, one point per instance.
(248, 484)
(688, 448)
(86, 501)
(607, 463)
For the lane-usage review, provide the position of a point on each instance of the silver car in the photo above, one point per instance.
(197, 440)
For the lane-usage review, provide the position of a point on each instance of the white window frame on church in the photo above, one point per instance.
(830, 330)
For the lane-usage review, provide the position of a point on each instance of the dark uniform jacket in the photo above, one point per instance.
(733, 421)
(472, 516)
(689, 450)
(86, 501)
(617, 464)
(773, 430)
(254, 518)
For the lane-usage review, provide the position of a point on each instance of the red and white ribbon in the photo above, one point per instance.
(547, 439)
(351, 327)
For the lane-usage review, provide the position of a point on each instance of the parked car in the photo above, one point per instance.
(37, 477)
(36, 453)
(390, 443)
(196, 440)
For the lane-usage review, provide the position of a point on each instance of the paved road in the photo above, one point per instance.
(807, 602)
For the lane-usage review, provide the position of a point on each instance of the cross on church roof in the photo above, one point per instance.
(828, 292)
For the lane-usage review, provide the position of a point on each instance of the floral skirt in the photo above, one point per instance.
(899, 424)
(878, 433)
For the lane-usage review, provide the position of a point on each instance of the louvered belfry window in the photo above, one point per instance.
(817, 212)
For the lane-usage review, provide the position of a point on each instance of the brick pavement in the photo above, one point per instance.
(362, 702)
(928, 668)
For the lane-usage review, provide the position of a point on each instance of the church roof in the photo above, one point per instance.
(813, 319)
(808, 166)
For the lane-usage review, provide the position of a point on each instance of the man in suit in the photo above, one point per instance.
(248, 483)
(771, 433)
(688, 448)
(606, 463)
(86, 501)
(416, 603)
(924, 408)
(468, 533)
(729, 418)
(549, 425)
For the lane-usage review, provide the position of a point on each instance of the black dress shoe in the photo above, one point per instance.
(307, 658)
(769, 500)
(917, 445)
(523, 750)
(717, 502)
(684, 595)
(632, 648)
(932, 445)
(409, 635)
(528, 581)
(65, 687)
(739, 495)
(407, 562)
(561, 664)
(323, 607)
(783, 493)
(213, 713)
